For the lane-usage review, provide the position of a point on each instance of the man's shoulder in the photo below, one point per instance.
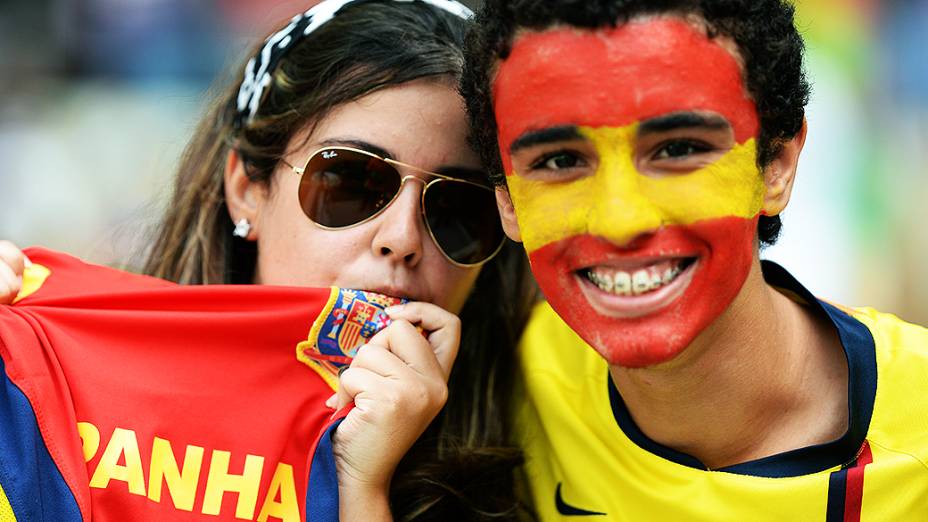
(901, 402)
(890, 330)
(545, 325)
(900, 346)
(546, 332)
(549, 347)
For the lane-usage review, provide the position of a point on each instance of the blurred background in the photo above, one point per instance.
(99, 97)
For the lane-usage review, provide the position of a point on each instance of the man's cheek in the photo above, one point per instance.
(547, 212)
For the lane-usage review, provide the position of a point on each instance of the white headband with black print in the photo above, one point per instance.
(259, 68)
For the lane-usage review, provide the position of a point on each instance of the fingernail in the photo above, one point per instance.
(26, 262)
(394, 308)
(330, 402)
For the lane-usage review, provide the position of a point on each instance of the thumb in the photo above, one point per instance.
(342, 396)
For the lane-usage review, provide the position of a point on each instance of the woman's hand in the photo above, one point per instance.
(12, 264)
(398, 383)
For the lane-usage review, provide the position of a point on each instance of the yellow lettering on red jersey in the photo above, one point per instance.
(34, 277)
(182, 484)
(90, 439)
(122, 445)
(282, 486)
(182, 479)
(220, 481)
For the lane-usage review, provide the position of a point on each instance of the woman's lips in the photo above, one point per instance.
(392, 290)
(632, 290)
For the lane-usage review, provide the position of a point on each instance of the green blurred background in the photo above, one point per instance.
(98, 98)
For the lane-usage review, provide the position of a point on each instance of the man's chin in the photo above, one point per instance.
(651, 329)
(642, 354)
(632, 331)
(631, 343)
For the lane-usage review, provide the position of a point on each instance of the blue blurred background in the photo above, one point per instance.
(98, 98)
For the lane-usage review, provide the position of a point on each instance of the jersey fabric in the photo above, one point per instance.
(125, 397)
(586, 457)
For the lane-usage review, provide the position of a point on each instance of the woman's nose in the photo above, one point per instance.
(401, 231)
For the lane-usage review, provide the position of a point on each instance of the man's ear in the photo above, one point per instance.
(243, 196)
(507, 214)
(781, 173)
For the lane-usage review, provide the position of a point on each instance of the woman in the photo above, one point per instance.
(333, 94)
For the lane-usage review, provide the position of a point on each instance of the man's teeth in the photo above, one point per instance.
(633, 283)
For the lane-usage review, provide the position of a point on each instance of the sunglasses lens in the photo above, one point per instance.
(463, 220)
(340, 187)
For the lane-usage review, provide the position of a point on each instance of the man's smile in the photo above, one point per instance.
(635, 291)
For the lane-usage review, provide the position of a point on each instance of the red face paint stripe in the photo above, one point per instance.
(725, 250)
(616, 77)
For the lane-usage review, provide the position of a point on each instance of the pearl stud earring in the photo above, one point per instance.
(242, 228)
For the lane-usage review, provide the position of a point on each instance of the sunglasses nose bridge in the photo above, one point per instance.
(421, 198)
(425, 185)
(410, 177)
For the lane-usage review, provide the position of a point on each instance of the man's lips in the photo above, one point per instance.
(636, 277)
(588, 252)
(634, 280)
(649, 289)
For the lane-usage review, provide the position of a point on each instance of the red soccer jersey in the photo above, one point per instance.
(125, 397)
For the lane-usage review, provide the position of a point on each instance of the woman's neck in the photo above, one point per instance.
(766, 377)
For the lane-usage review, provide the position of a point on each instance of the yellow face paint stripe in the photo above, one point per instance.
(619, 203)
(34, 277)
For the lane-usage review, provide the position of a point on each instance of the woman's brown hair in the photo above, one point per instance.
(462, 467)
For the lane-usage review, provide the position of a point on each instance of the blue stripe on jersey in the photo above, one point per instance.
(837, 491)
(860, 350)
(34, 486)
(322, 490)
(862, 373)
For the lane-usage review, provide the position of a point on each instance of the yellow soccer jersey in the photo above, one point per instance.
(586, 457)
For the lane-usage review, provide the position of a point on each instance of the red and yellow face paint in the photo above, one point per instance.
(639, 262)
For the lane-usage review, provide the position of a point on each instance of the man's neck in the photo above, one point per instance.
(767, 376)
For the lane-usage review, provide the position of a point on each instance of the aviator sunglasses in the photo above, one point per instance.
(343, 187)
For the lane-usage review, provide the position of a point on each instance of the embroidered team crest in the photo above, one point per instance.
(350, 318)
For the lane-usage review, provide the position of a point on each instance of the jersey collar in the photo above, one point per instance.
(859, 349)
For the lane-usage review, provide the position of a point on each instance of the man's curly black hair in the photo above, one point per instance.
(764, 30)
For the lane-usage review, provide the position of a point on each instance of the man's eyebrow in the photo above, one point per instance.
(357, 144)
(683, 120)
(545, 136)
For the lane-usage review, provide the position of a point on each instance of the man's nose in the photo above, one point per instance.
(620, 211)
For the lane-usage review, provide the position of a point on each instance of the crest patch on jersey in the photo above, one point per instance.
(350, 318)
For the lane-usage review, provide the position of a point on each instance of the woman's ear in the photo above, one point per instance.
(507, 214)
(780, 174)
(243, 196)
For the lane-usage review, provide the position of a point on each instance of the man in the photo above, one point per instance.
(647, 149)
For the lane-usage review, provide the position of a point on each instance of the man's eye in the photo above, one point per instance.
(680, 149)
(558, 161)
